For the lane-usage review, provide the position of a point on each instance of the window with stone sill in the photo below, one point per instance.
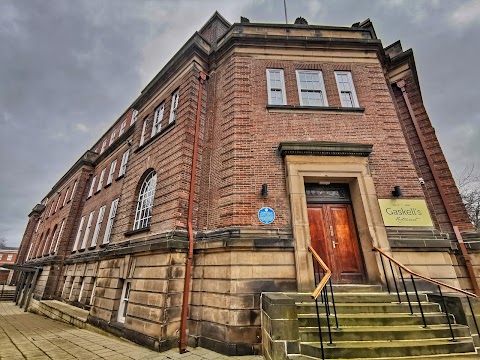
(346, 89)
(276, 87)
(311, 88)
(143, 212)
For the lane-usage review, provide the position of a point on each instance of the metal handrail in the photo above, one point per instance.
(326, 277)
(411, 272)
(427, 279)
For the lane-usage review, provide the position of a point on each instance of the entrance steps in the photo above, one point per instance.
(374, 325)
(7, 295)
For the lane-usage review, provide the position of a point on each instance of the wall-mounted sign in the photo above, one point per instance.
(266, 215)
(405, 212)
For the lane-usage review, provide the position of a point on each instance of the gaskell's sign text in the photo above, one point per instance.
(405, 212)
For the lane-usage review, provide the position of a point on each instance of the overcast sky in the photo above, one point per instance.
(68, 69)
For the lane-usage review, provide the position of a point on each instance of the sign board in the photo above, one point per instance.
(266, 215)
(405, 212)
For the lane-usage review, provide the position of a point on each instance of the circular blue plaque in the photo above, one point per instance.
(266, 215)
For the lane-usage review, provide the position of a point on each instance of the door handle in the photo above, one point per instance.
(332, 235)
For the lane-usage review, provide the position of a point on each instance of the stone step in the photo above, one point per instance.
(357, 297)
(352, 288)
(369, 333)
(465, 356)
(388, 349)
(364, 308)
(391, 319)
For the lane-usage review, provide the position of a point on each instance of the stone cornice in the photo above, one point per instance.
(323, 148)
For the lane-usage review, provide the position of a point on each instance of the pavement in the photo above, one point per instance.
(25, 335)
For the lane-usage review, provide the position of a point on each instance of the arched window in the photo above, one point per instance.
(143, 213)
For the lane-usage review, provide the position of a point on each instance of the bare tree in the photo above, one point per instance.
(468, 182)
(3, 243)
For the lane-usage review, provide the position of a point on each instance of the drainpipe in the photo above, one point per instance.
(468, 262)
(188, 266)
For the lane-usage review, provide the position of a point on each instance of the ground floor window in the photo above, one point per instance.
(122, 310)
(93, 290)
(80, 294)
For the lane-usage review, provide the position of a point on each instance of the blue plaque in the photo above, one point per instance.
(266, 215)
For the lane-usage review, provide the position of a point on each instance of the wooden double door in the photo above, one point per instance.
(334, 238)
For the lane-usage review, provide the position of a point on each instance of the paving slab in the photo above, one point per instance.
(35, 337)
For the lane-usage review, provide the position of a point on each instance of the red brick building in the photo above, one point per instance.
(7, 256)
(317, 123)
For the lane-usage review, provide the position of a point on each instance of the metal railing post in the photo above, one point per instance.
(419, 303)
(406, 292)
(446, 312)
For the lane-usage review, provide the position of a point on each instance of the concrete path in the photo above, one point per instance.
(30, 336)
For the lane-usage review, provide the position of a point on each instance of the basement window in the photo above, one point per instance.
(122, 311)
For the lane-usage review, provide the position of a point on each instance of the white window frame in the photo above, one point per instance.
(123, 308)
(87, 229)
(79, 233)
(73, 190)
(98, 225)
(51, 208)
(142, 138)
(123, 164)
(58, 202)
(96, 150)
(123, 125)
(112, 137)
(9, 257)
(134, 117)
(92, 185)
(321, 83)
(104, 145)
(111, 220)
(92, 294)
(38, 225)
(282, 89)
(174, 106)
(352, 86)
(59, 236)
(113, 167)
(146, 196)
(71, 289)
(28, 254)
(65, 198)
(55, 229)
(100, 180)
(157, 119)
(47, 235)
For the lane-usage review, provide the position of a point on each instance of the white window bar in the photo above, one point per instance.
(143, 213)
(92, 295)
(134, 117)
(82, 280)
(311, 88)
(29, 251)
(51, 208)
(87, 230)
(112, 137)
(157, 120)
(104, 145)
(98, 225)
(71, 289)
(59, 236)
(142, 138)
(346, 89)
(276, 87)
(173, 108)
(58, 202)
(52, 243)
(79, 233)
(111, 219)
(100, 181)
(66, 196)
(122, 127)
(74, 188)
(112, 171)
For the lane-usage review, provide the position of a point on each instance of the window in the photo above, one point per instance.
(134, 117)
(112, 171)
(122, 311)
(143, 213)
(28, 254)
(111, 218)
(112, 137)
(73, 190)
(9, 257)
(65, 198)
(311, 88)
(1, 256)
(157, 120)
(52, 240)
(96, 150)
(65, 283)
(142, 138)
(173, 109)
(58, 202)
(92, 185)
(82, 281)
(276, 87)
(59, 236)
(79, 233)
(87, 230)
(123, 164)
(92, 295)
(71, 289)
(38, 225)
(104, 145)
(346, 90)
(45, 242)
(51, 209)
(100, 181)
(98, 225)
(122, 127)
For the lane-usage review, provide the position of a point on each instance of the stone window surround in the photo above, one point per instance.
(352, 170)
